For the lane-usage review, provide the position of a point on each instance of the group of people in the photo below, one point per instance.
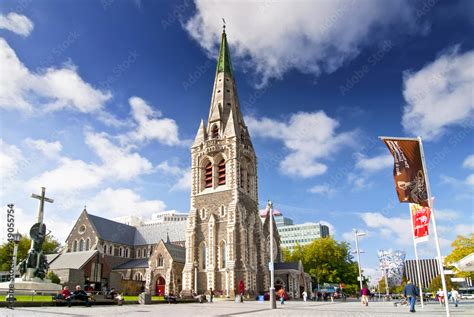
(81, 295)
(78, 294)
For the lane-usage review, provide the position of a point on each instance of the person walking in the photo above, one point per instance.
(410, 291)
(455, 296)
(282, 294)
(305, 296)
(365, 295)
(211, 295)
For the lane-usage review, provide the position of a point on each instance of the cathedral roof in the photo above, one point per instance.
(177, 253)
(153, 234)
(113, 231)
(72, 260)
(133, 264)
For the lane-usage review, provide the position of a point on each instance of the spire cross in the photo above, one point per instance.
(223, 25)
(42, 199)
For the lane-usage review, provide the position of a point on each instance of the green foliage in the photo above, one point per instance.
(462, 247)
(351, 289)
(51, 245)
(436, 284)
(326, 260)
(53, 277)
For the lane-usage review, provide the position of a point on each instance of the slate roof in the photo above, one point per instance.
(152, 234)
(133, 264)
(113, 231)
(72, 260)
(287, 266)
(177, 253)
(51, 257)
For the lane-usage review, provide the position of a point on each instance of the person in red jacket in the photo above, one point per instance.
(365, 295)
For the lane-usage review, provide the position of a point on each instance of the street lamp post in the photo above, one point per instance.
(358, 234)
(272, 268)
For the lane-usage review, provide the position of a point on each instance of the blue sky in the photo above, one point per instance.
(99, 101)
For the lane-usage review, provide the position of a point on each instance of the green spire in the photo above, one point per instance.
(224, 64)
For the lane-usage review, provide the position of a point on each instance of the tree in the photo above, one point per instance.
(53, 277)
(50, 245)
(462, 247)
(326, 261)
(436, 284)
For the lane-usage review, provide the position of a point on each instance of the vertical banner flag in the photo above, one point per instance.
(408, 172)
(420, 216)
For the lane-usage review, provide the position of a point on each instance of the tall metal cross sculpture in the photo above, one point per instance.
(42, 199)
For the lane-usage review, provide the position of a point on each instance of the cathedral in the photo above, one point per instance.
(222, 244)
(225, 239)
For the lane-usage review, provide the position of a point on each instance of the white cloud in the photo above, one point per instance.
(322, 189)
(122, 202)
(447, 214)
(69, 175)
(396, 229)
(51, 89)
(118, 163)
(309, 137)
(16, 23)
(48, 149)
(469, 162)
(184, 182)
(10, 160)
(375, 163)
(150, 125)
(317, 36)
(439, 95)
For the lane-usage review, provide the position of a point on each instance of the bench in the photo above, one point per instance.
(60, 301)
(170, 299)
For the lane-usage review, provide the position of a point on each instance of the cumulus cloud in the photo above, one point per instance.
(469, 162)
(373, 164)
(117, 163)
(10, 160)
(317, 36)
(322, 190)
(48, 149)
(123, 202)
(49, 90)
(309, 137)
(151, 125)
(439, 95)
(395, 228)
(16, 23)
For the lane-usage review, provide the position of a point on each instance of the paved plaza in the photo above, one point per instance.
(249, 308)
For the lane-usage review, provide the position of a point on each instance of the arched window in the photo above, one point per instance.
(202, 257)
(208, 175)
(223, 255)
(145, 253)
(160, 260)
(111, 250)
(74, 246)
(221, 173)
(127, 250)
(215, 132)
(138, 276)
(139, 253)
(81, 245)
(88, 243)
(120, 251)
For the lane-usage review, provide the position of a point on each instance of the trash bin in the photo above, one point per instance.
(144, 298)
(261, 298)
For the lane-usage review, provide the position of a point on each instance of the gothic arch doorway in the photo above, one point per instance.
(160, 286)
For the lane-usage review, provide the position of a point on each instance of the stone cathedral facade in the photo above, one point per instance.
(225, 238)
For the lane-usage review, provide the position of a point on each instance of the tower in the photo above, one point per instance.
(224, 236)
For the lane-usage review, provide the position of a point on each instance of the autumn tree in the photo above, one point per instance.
(462, 247)
(50, 245)
(436, 283)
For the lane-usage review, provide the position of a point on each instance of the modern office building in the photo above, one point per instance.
(429, 270)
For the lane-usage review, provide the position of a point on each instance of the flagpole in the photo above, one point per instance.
(435, 231)
(418, 270)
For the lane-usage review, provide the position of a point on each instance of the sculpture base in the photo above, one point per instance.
(27, 287)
